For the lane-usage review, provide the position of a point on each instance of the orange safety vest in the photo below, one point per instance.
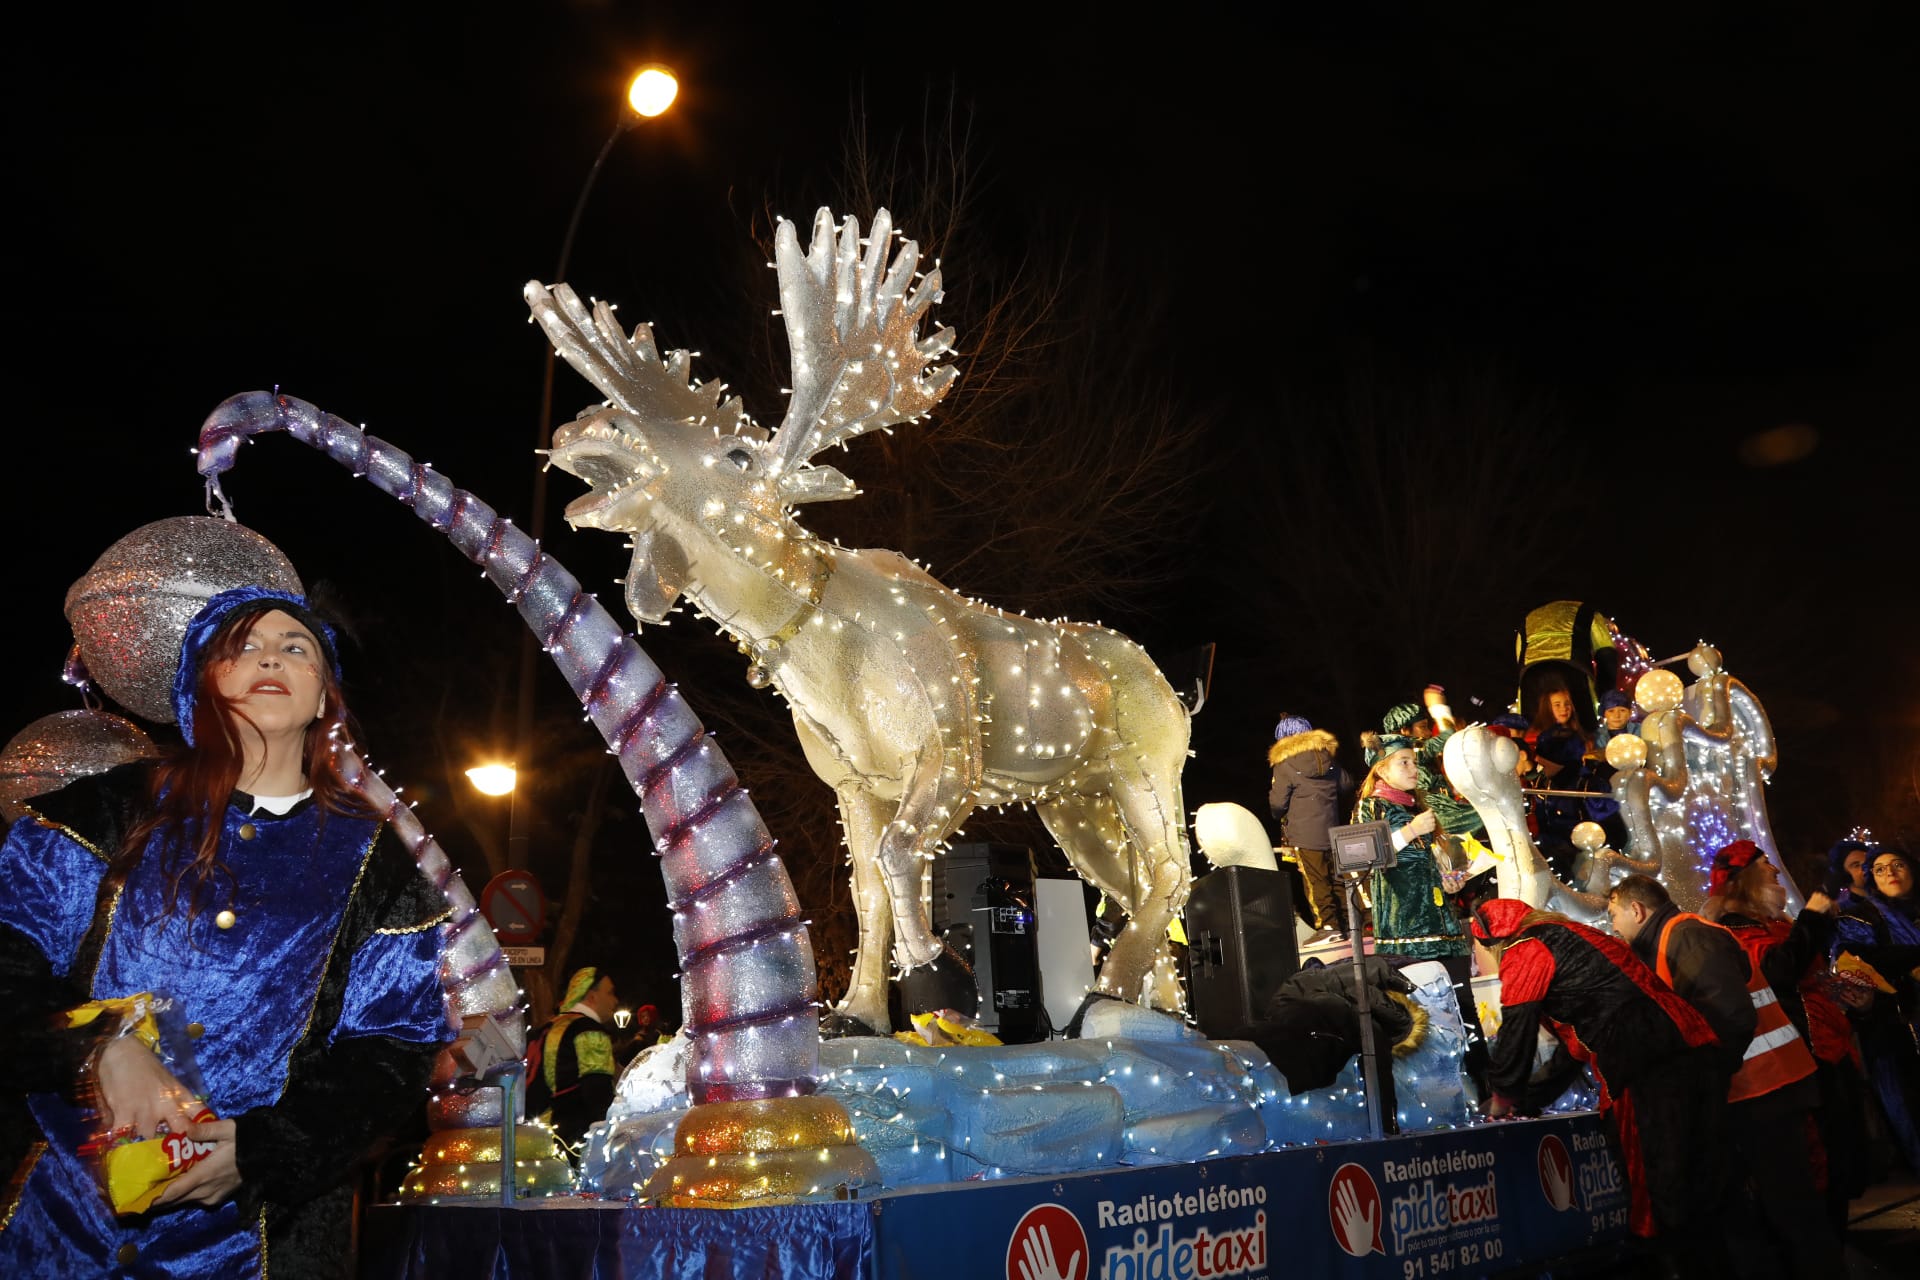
(1776, 1056)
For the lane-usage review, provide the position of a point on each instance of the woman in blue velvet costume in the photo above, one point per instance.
(1880, 923)
(245, 879)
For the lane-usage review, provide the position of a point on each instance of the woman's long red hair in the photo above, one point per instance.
(190, 788)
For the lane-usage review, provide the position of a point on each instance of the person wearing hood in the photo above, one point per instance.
(1661, 1071)
(1879, 942)
(1310, 790)
(244, 878)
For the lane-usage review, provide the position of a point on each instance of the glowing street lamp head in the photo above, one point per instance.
(493, 779)
(652, 91)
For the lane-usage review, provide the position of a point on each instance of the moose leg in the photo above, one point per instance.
(866, 998)
(933, 807)
(1089, 831)
(1140, 967)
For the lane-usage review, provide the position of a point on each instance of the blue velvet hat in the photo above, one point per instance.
(212, 615)
(1837, 856)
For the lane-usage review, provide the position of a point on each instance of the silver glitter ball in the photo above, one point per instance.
(130, 610)
(54, 750)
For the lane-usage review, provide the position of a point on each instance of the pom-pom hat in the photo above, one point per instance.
(213, 615)
(1291, 724)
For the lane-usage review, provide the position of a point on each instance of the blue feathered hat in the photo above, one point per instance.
(212, 615)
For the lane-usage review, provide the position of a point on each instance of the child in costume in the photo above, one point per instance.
(244, 879)
(1309, 786)
(1616, 719)
(1412, 914)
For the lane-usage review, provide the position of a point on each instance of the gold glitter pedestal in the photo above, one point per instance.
(465, 1163)
(729, 1155)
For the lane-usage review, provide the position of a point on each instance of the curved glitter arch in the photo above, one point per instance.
(748, 981)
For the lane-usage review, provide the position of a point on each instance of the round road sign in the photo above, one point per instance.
(513, 903)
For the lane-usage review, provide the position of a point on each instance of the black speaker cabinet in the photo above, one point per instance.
(1240, 945)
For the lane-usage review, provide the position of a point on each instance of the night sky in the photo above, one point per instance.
(1645, 240)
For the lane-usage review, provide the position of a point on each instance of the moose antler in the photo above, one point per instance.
(858, 362)
(627, 369)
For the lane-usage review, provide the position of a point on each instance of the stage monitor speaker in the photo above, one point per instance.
(1241, 946)
(983, 905)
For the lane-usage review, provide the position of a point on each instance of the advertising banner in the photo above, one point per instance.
(1463, 1203)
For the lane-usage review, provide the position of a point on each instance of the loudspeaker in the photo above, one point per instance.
(983, 905)
(1240, 945)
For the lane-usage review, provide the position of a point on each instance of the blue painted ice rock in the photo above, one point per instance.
(1137, 1088)
(1038, 1128)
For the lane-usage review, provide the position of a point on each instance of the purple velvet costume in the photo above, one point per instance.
(321, 1009)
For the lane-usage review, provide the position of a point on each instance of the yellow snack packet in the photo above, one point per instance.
(133, 1170)
(136, 1011)
(137, 1172)
(1852, 969)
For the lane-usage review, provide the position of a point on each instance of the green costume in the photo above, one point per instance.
(1456, 816)
(1411, 915)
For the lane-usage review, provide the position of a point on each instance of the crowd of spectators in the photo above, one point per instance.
(1759, 1068)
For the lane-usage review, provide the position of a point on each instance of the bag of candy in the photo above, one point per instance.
(134, 1167)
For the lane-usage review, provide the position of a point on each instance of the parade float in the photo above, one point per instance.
(750, 1145)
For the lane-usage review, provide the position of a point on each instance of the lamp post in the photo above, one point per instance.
(651, 91)
(502, 780)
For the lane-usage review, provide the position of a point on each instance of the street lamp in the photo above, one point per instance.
(651, 91)
(497, 779)
(493, 779)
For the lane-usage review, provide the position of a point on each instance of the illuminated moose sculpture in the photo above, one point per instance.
(914, 703)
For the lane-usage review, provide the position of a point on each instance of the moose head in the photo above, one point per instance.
(692, 477)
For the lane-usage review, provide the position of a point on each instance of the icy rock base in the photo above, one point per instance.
(1138, 1088)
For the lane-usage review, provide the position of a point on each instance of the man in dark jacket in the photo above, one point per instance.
(1655, 1058)
(1310, 794)
(1701, 961)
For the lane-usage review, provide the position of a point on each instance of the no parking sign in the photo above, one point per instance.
(513, 903)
